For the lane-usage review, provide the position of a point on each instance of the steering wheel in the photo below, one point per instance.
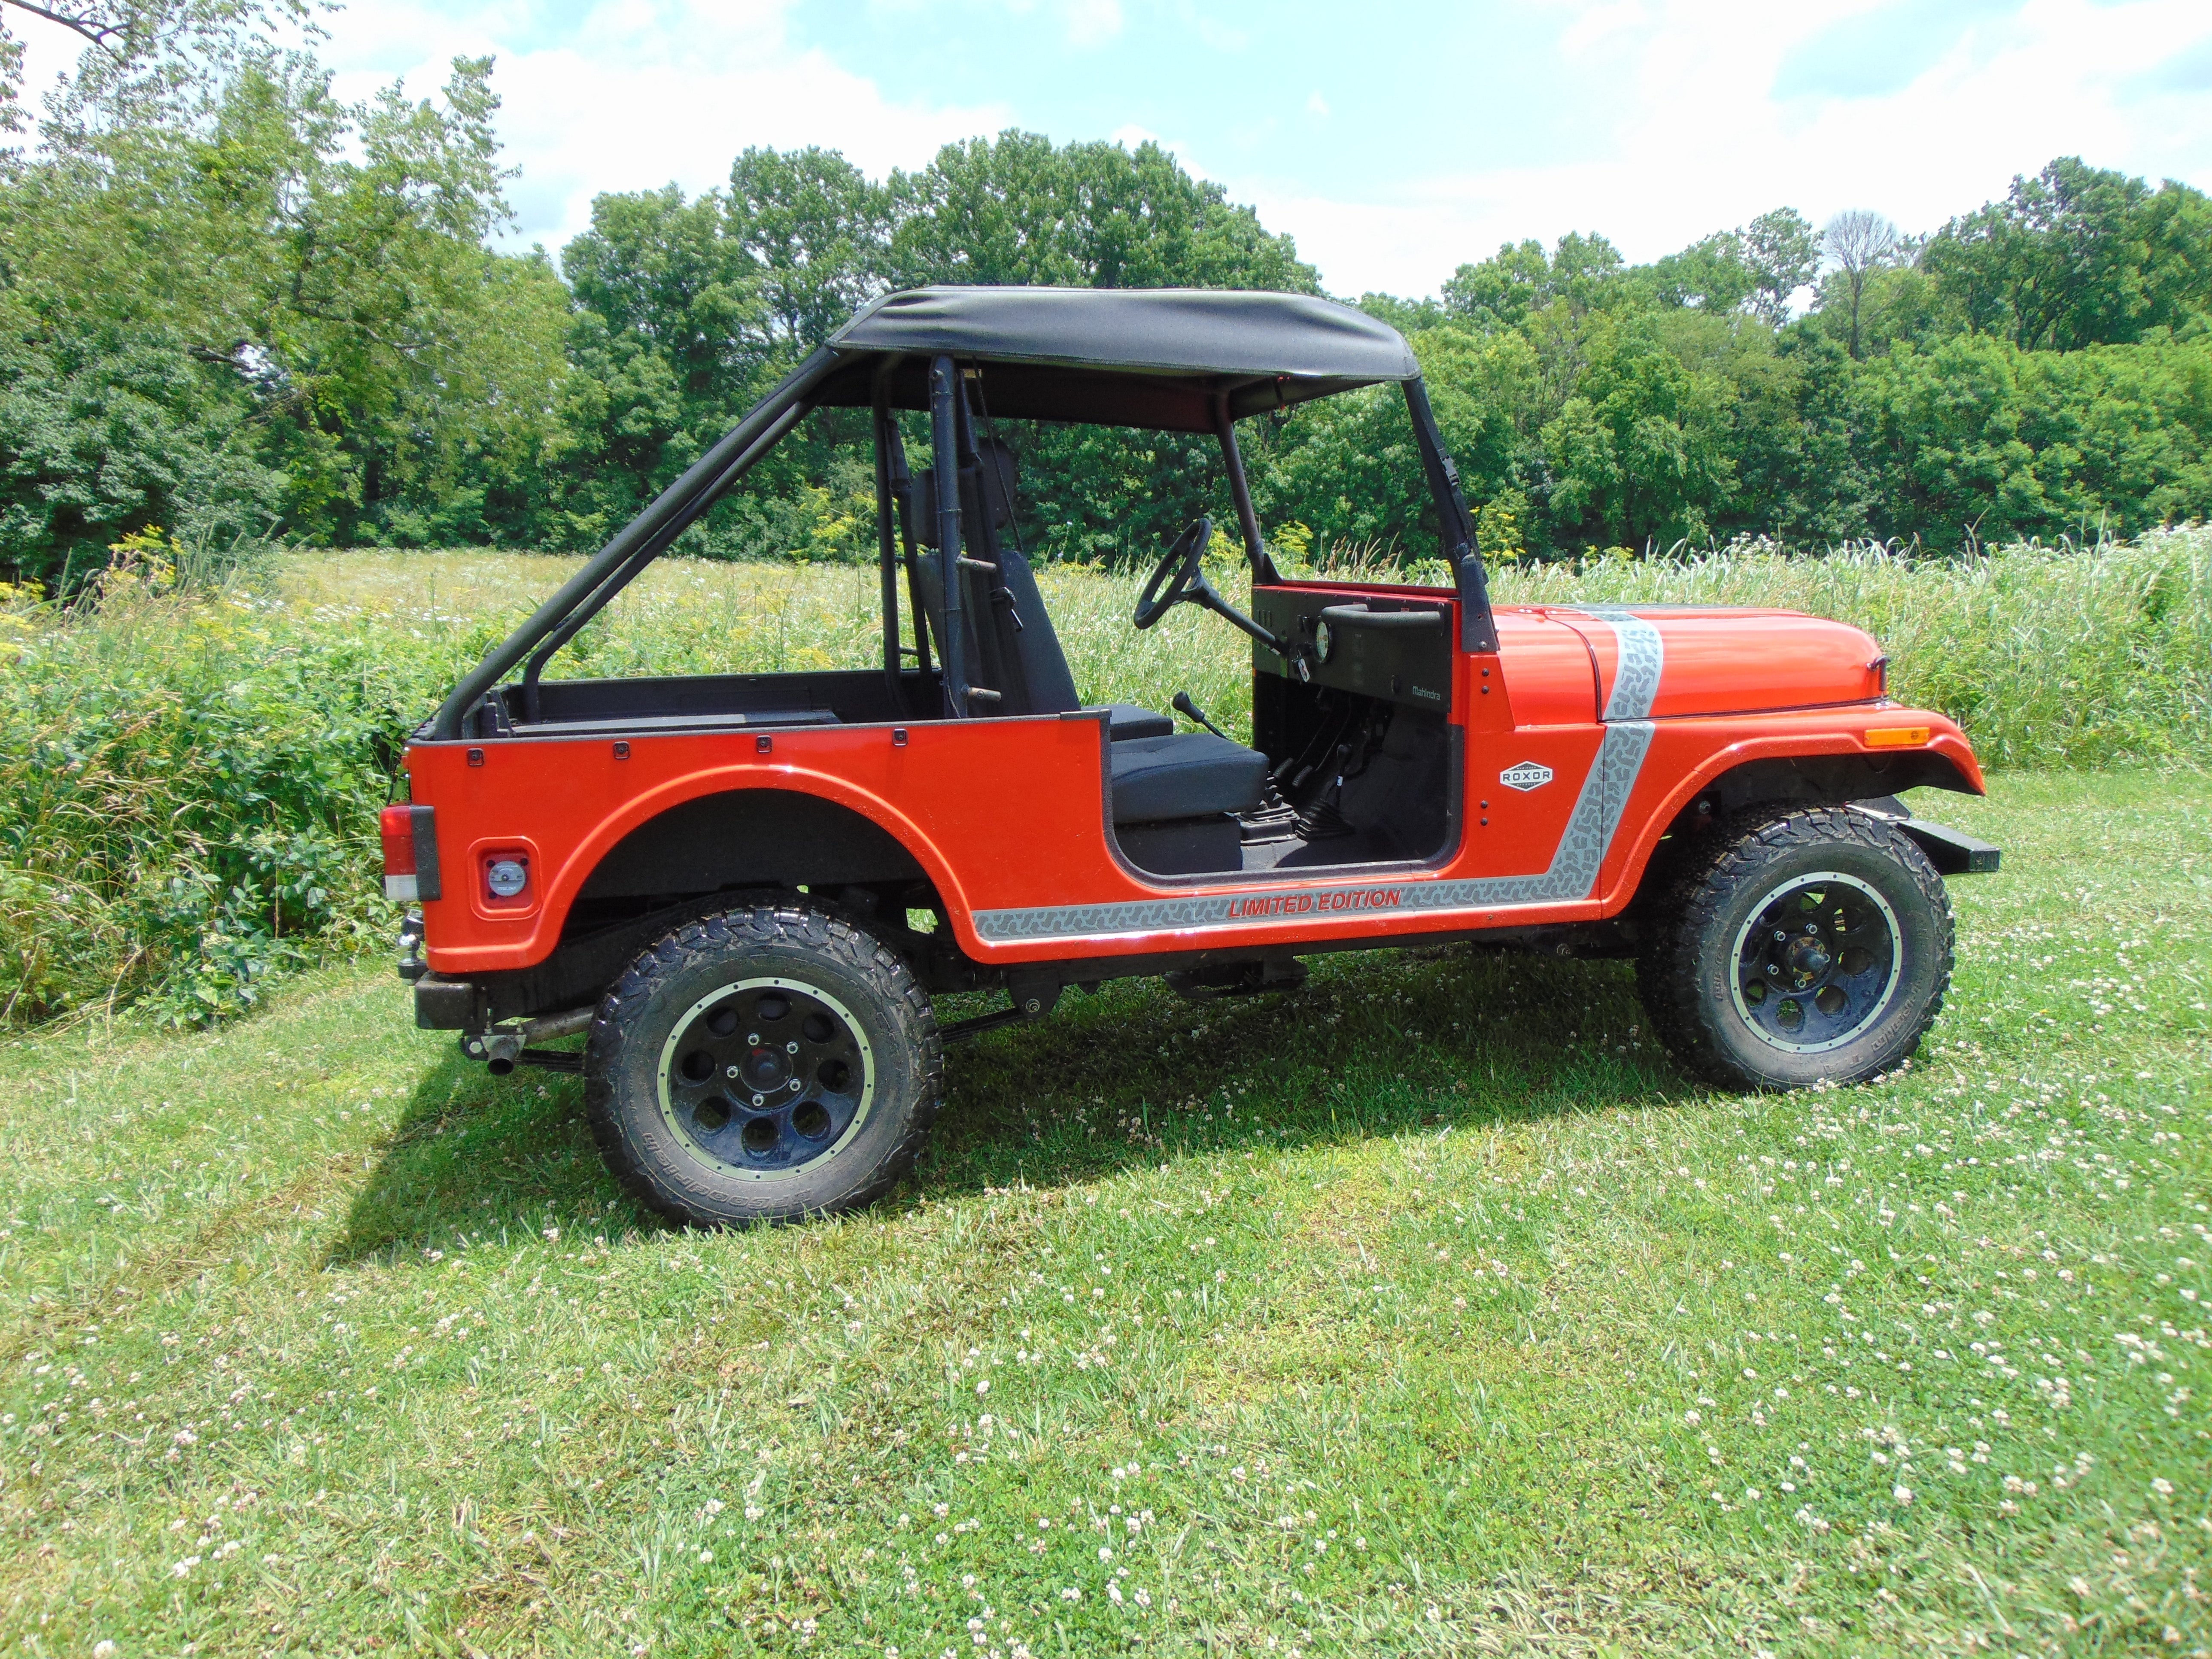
(1184, 563)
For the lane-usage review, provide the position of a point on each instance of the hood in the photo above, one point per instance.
(1716, 659)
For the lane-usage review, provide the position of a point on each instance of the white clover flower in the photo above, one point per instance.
(1901, 1492)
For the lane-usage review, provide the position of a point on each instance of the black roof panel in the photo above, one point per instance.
(1135, 356)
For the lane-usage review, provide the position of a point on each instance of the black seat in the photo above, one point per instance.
(1017, 652)
(1191, 774)
(1158, 774)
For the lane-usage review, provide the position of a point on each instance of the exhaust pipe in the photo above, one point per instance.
(504, 1050)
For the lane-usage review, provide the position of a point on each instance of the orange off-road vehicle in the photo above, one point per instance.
(746, 887)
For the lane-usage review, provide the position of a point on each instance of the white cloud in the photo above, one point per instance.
(1697, 114)
(1093, 22)
(1692, 141)
(643, 93)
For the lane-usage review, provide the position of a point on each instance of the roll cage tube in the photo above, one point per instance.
(1478, 630)
(945, 439)
(652, 549)
(886, 530)
(1240, 492)
(445, 725)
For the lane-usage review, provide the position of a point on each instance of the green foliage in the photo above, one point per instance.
(187, 798)
(226, 296)
(2078, 256)
(1977, 433)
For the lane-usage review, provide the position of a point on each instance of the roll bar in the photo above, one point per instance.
(688, 497)
(650, 534)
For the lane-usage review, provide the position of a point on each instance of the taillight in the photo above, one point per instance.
(410, 852)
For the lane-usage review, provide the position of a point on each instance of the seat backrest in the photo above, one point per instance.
(1014, 650)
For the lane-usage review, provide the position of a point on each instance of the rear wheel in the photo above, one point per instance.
(762, 1065)
(1814, 946)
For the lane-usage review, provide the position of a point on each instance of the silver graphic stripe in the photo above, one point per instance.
(1574, 871)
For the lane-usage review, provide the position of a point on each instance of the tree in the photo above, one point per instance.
(1518, 280)
(1785, 255)
(313, 275)
(1017, 209)
(2078, 256)
(1860, 242)
(811, 233)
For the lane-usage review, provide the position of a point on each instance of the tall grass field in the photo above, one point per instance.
(188, 786)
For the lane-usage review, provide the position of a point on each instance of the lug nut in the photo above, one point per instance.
(752, 1039)
(760, 1100)
(791, 1047)
(793, 1086)
(731, 1072)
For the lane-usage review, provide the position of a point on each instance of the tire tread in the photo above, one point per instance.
(1666, 970)
(716, 936)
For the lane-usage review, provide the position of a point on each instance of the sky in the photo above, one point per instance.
(1394, 141)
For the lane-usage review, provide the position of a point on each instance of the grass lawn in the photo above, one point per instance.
(1428, 1310)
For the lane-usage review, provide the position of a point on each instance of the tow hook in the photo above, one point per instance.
(506, 1047)
(411, 967)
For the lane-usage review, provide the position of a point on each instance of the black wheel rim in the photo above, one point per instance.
(1816, 963)
(767, 1077)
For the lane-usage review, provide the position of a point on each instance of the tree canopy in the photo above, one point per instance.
(233, 305)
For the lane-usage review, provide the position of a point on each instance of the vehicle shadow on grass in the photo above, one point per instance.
(474, 1157)
(1376, 1044)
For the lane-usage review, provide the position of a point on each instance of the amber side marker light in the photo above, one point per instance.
(1897, 737)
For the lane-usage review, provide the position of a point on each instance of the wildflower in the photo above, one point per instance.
(1070, 1594)
(1901, 1492)
(2163, 1487)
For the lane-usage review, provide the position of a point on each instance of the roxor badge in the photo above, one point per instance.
(1527, 775)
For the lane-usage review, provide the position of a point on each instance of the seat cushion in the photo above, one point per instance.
(1125, 720)
(1187, 776)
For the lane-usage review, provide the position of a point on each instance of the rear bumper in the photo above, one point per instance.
(450, 1005)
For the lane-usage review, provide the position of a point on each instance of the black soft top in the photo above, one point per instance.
(1150, 357)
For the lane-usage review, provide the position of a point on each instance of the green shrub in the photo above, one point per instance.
(188, 793)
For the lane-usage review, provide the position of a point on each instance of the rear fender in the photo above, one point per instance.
(591, 857)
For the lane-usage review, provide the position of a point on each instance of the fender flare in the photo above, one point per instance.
(590, 853)
(1948, 746)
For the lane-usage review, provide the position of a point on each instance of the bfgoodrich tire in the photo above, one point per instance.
(1814, 946)
(762, 1065)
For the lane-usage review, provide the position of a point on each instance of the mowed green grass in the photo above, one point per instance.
(1429, 1310)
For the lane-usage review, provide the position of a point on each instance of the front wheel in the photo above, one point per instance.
(760, 1064)
(1814, 946)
